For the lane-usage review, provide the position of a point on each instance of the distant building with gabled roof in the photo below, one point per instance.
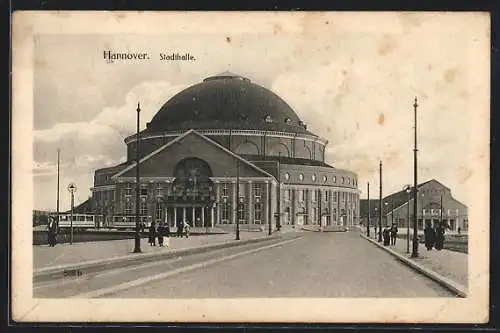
(435, 202)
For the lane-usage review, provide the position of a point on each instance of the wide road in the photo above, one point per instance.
(317, 265)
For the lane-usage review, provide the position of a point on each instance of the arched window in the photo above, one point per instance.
(247, 148)
(279, 149)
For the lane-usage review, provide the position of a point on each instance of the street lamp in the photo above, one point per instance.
(237, 199)
(380, 205)
(407, 190)
(415, 186)
(72, 190)
(368, 222)
(137, 245)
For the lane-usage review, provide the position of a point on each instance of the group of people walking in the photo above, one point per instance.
(434, 237)
(160, 232)
(390, 235)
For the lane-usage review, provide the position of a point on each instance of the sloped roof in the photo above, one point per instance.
(399, 198)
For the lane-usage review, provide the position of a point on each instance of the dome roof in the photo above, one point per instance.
(226, 101)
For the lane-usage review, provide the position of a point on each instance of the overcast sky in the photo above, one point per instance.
(354, 89)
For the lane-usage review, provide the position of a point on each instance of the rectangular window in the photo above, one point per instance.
(257, 213)
(158, 213)
(128, 207)
(257, 190)
(128, 190)
(241, 211)
(301, 195)
(334, 196)
(225, 190)
(327, 195)
(143, 208)
(225, 212)
(242, 189)
(144, 192)
(287, 195)
(159, 191)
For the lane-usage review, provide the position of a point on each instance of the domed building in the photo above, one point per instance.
(223, 132)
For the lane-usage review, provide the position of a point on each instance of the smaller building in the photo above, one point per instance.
(435, 203)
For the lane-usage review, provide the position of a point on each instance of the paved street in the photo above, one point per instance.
(317, 265)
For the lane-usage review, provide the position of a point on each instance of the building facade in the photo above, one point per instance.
(224, 150)
(435, 203)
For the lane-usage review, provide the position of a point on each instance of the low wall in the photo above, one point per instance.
(41, 237)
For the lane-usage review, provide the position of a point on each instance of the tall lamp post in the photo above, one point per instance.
(238, 200)
(407, 190)
(278, 221)
(414, 254)
(57, 201)
(72, 190)
(137, 245)
(368, 222)
(380, 205)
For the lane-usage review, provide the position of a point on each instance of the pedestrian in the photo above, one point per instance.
(394, 234)
(186, 230)
(160, 233)
(439, 237)
(179, 228)
(386, 235)
(52, 232)
(429, 237)
(152, 234)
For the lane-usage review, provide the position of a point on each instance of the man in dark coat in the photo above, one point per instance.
(386, 235)
(180, 227)
(439, 237)
(394, 234)
(429, 237)
(152, 234)
(52, 231)
(160, 233)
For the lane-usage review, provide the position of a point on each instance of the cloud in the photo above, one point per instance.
(97, 143)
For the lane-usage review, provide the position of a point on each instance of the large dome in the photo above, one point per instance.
(226, 101)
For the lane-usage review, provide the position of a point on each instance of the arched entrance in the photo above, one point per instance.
(192, 197)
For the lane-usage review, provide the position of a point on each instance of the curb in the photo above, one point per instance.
(452, 286)
(57, 272)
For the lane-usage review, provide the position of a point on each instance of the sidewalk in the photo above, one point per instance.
(450, 264)
(44, 256)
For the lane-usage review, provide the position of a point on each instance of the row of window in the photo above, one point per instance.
(344, 180)
(437, 211)
(288, 121)
(325, 195)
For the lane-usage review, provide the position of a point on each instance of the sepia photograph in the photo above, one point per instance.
(250, 167)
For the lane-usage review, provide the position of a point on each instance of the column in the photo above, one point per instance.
(184, 214)
(203, 216)
(175, 216)
(193, 214)
(166, 216)
(217, 201)
(250, 203)
(233, 204)
(337, 219)
(265, 202)
(309, 217)
(332, 217)
(212, 212)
